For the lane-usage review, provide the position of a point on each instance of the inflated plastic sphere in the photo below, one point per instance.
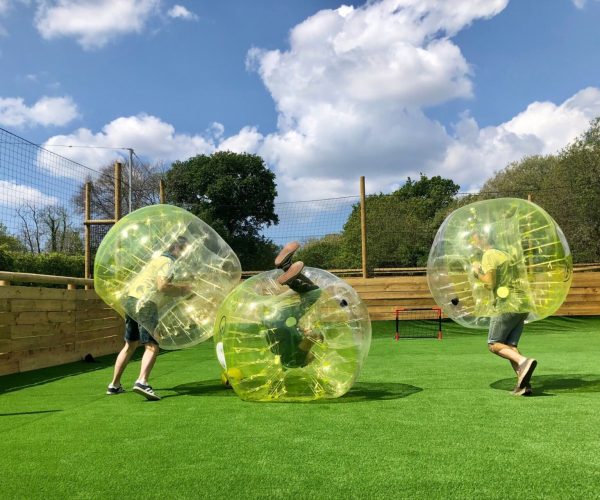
(534, 270)
(169, 271)
(261, 325)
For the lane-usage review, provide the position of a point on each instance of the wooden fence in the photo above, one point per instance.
(384, 295)
(42, 327)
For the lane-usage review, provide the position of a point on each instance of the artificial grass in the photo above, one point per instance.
(426, 419)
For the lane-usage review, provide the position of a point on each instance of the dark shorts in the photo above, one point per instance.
(507, 328)
(148, 315)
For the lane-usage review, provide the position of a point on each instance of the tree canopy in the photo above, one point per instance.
(235, 194)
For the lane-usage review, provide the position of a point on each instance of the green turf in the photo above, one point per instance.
(427, 419)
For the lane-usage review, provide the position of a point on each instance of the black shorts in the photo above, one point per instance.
(147, 314)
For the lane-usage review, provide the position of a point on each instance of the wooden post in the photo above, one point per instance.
(529, 197)
(118, 168)
(363, 226)
(88, 246)
(4, 283)
(161, 191)
(71, 286)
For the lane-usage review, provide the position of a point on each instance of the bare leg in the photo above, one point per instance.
(122, 360)
(507, 352)
(148, 359)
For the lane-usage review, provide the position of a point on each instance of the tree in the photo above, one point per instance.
(145, 187)
(400, 226)
(235, 194)
(9, 242)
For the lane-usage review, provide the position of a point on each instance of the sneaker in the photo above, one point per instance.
(291, 274)
(112, 390)
(146, 391)
(522, 391)
(525, 372)
(284, 259)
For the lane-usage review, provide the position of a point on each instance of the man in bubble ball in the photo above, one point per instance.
(288, 340)
(156, 276)
(496, 273)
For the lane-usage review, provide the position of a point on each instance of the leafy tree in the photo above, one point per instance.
(325, 253)
(235, 194)
(10, 242)
(400, 226)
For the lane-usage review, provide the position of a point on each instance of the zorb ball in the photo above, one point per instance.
(281, 345)
(169, 271)
(529, 253)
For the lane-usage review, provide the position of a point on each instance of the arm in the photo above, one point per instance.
(488, 279)
(165, 286)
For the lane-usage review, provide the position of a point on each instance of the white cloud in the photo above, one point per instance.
(180, 12)
(543, 128)
(147, 135)
(93, 23)
(46, 111)
(14, 195)
(352, 89)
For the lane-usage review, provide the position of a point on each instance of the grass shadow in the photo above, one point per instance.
(28, 413)
(23, 380)
(362, 391)
(546, 385)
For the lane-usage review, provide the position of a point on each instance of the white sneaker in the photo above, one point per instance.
(146, 391)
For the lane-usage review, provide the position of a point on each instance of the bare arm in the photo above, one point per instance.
(165, 286)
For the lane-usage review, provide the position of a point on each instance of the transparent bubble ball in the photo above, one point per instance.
(141, 253)
(535, 275)
(261, 324)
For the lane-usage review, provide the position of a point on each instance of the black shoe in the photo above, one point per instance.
(291, 274)
(111, 390)
(146, 391)
(284, 259)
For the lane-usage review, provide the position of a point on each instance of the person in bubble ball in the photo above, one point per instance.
(156, 276)
(505, 330)
(287, 339)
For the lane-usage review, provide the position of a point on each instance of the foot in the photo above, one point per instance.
(284, 259)
(522, 391)
(525, 372)
(291, 274)
(146, 391)
(112, 390)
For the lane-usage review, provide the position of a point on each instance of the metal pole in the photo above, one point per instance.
(130, 176)
(363, 226)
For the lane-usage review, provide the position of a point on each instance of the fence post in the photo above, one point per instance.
(161, 191)
(88, 246)
(363, 227)
(117, 191)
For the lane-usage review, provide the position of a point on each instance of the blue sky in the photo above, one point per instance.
(323, 91)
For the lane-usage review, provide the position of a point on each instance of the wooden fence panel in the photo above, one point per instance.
(42, 327)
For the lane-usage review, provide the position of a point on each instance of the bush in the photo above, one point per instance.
(55, 264)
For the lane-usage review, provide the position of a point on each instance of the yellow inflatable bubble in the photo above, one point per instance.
(168, 270)
(280, 345)
(527, 251)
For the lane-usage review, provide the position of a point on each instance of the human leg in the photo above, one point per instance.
(151, 349)
(131, 338)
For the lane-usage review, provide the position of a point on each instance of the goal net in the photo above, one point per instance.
(418, 322)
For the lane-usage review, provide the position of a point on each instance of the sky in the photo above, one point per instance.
(324, 91)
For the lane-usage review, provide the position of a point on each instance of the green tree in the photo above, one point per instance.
(9, 242)
(235, 194)
(325, 253)
(400, 226)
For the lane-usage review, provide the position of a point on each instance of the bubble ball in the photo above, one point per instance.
(169, 271)
(261, 324)
(534, 270)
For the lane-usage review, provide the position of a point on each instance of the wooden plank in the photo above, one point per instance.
(18, 331)
(9, 366)
(6, 318)
(4, 305)
(31, 292)
(31, 318)
(19, 305)
(96, 313)
(61, 317)
(96, 324)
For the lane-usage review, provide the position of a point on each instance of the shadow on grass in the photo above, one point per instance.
(23, 380)
(362, 391)
(550, 385)
(27, 413)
